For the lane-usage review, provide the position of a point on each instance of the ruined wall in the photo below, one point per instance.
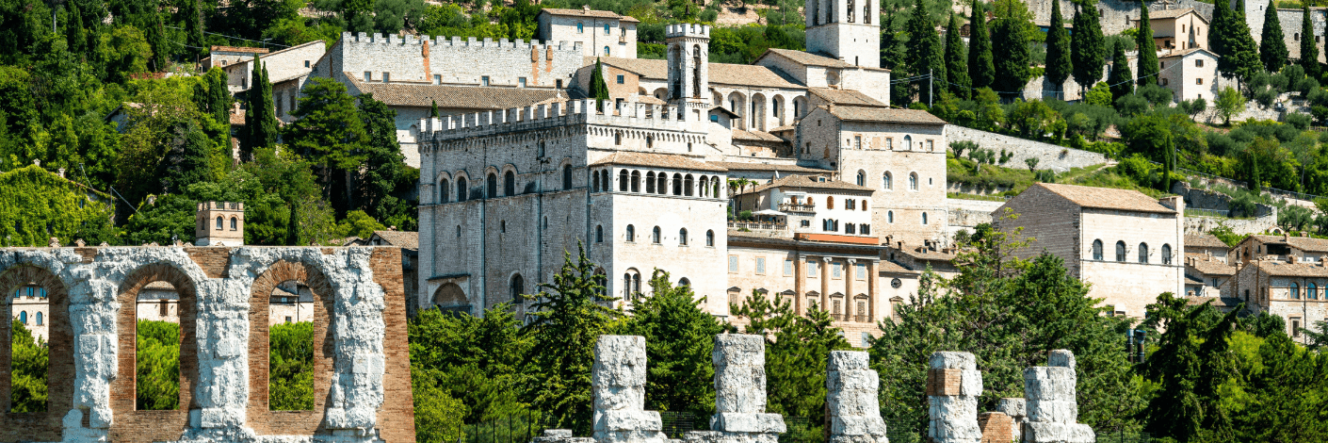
(361, 370)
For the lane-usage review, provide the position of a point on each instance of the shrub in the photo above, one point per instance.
(1299, 121)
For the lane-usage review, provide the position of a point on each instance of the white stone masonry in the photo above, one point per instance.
(953, 386)
(1051, 406)
(740, 415)
(851, 394)
(1015, 408)
(619, 382)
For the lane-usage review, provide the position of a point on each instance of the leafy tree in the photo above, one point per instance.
(1272, 50)
(385, 176)
(162, 220)
(329, 130)
(1294, 218)
(923, 50)
(679, 340)
(1010, 50)
(187, 158)
(291, 366)
(391, 16)
(158, 365)
(566, 318)
(963, 145)
(1308, 45)
(1148, 67)
(1281, 410)
(475, 361)
(1100, 95)
(1088, 50)
(260, 120)
(30, 365)
(1059, 63)
(359, 224)
(1229, 103)
(981, 68)
(956, 59)
(1032, 163)
(39, 205)
(1241, 59)
(125, 52)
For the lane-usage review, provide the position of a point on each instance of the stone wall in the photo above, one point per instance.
(967, 214)
(1056, 158)
(361, 371)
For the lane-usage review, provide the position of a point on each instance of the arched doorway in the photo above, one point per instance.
(43, 421)
(450, 297)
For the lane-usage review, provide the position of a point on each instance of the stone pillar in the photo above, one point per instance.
(618, 379)
(850, 274)
(799, 282)
(740, 394)
(851, 395)
(1049, 393)
(953, 387)
(1014, 408)
(873, 289)
(825, 283)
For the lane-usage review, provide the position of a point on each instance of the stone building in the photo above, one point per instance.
(1280, 248)
(30, 306)
(1190, 74)
(599, 33)
(1206, 245)
(219, 224)
(1127, 245)
(1206, 276)
(1178, 29)
(1289, 288)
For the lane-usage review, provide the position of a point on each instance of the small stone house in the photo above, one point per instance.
(1190, 74)
(1294, 290)
(601, 33)
(1279, 248)
(1208, 277)
(812, 205)
(1178, 29)
(1206, 245)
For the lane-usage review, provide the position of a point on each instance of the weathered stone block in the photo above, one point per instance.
(747, 422)
(627, 421)
(996, 427)
(1061, 358)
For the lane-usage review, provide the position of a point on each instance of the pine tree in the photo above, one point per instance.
(433, 109)
(384, 172)
(956, 60)
(260, 120)
(1089, 51)
(1307, 44)
(1121, 79)
(329, 131)
(1009, 41)
(219, 96)
(1148, 66)
(680, 336)
(981, 70)
(187, 158)
(1272, 50)
(1059, 65)
(74, 33)
(193, 29)
(598, 88)
(923, 50)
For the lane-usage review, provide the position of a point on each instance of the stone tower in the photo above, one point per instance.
(219, 224)
(848, 30)
(689, 72)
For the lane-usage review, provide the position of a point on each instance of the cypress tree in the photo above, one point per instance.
(1272, 50)
(1148, 65)
(1121, 80)
(1242, 58)
(1255, 181)
(219, 97)
(1307, 44)
(193, 29)
(1088, 48)
(1217, 38)
(260, 120)
(981, 70)
(433, 109)
(598, 87)
(1059, 65)
(1009, 41)
(956, 59)
(923, 51)
(74, 31)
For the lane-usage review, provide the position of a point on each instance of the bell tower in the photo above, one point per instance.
(689, 72)
(849, 30)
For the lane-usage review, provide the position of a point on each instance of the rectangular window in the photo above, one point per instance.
(1198, 81)
(733, 264)
(521, 82)
(862, 271)
(857, 142)
(558, 84)
(1198, 63)
(836, 270)
(714, 118)
(889, 143)
(368, 76)
(811, 269)
(621, 80)
(788, 267)
(484, 81)
(930, 147)
(437, 79)
(387, 77)
(306, 63)
(760, 265)
(606, 29)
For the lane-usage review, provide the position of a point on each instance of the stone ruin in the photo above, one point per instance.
(853, 404)
(361, 383)
(619, 382)
(740, 415)
(1047, 413)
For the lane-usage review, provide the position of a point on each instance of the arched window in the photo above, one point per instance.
(710, 238)
(866, 13)
(1097, 249)
(623, 179)
(889, 216)
(687, 185)
(1166, 254)
(444, 191)
(830, 202)
(684, 282)
(605, 183)
(509, 183)
(705, 186)
(1295, 293)
(631, 284)
(518, 287)
(491, 188)
(864, 205)
(631, 233)
(912, 181)
(1143, 253)
(39, 319)
(661, 184)
(862, 178)
(636, 181)
(677, 184)
(617, 138)
(235, 223)
(650, 182)
(23, 317)
(594, 182)
(580, 28)
(567, 177)
(696, 71)
(682, 237)
(924, 218)
(606, 51)
(887, 181)
(1120, 251)
(220, 221)
(599, 234)
(1311, 292)
(908, 143)
(655, 236)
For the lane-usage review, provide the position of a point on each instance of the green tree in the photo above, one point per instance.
(923, 52)
(1059, 59)
(1242, 54)
(291, 366)
(38, 205)
(1272, 50)
(1282, 410)
(187, 158)
(30, 359)
(1121, 80)
(329, 130)
(217, 101)
(385, 178)
(1088, 49)
(679, 339)
(598, 87)
(566, 318)
(260, 120)
(956, 60)
(1010, 49)
(1308, 45)
(161, 219)
(359, 224)
(433, 109)
(1229, 103)
(1217, 29)
(981, 68)
(1189, 365)
(158, 360)
(193, 29)
(1148, 67)
(476, 360)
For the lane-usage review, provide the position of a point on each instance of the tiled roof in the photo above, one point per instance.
(237, 117)
(845, 97)
(454, 97)
(1185, 52)
(756, 136)
(747, 75)
(655, 69)
(884, 115)
(1107, 198)
(1301, 243)
(809, 59)
(921, 253)
(1211, 267)
(650, 100)
(1218, 302)
(810, 182)
(1284, 269)
(785, 128)
(1169, 13)
(1204, 241)
(744, 166)
(895, 268)
(239, 49)
(588, 13)
(656, 160)
(403, 239)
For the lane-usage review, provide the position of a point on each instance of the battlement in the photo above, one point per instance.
(632, 115)
(365, 39)
(687, 30)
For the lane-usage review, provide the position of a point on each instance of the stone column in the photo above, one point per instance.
(850, 274)
(873, 289)
(953, 387)
(825, 283)
(618, 379)
(740, 394)
(1049, 393)
(799, 283)
(851, 396)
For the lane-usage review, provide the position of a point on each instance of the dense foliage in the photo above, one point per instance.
(30, 360)
(291, 366)
(158, 355)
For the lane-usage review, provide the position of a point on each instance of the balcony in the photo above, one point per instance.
(793, 207)
(753, 225)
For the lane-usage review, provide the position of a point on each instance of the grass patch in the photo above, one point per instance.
(963, 196)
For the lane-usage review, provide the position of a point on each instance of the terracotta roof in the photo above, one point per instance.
(404, 239)
(806, 58)
(1218, 302)
(744, 166)
(237, 117)
(588, 13)
(884, 115)
(1185, 52)
(810, 182)
(1170, 13)
(1284, 269)
(656, 160)
(646, 68)
(454, 97)
(1204, 241)
(1107, 198)
(747, 75)
(894, 268)
(650, 100)
(921, 253)
(845, 97)
(1301, 243)
(239, 49)
(756, 136)
(1211, 267)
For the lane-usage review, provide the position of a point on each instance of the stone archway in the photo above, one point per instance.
(38, 426)
(450, 297)
(263, 420)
